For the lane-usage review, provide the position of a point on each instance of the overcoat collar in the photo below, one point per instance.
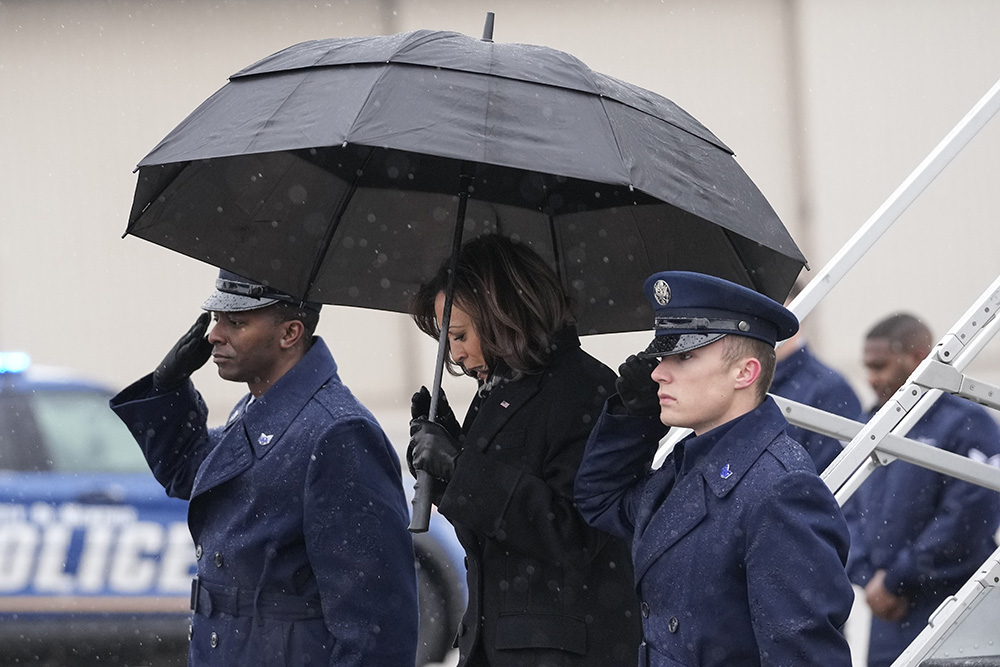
(685, 505)
(724, 466)
(253, 431)
(270, 415)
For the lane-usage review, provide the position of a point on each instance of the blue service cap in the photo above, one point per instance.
(234, 293)
(694, 309)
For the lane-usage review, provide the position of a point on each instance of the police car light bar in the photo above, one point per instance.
(14, 362)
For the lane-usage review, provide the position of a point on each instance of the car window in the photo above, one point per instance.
(20, 443)
(82, 434)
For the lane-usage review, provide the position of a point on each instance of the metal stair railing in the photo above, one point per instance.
(882, 440)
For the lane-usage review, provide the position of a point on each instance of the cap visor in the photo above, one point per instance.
(223, 302)
(665, 346)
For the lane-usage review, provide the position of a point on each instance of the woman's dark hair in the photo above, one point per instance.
(514, 299)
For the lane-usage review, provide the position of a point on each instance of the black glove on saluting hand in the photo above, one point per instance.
(188, 355)
(420, 408)
(431, 449)
(636, 388)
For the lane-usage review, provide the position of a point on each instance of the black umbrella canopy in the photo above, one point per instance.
(332, 170)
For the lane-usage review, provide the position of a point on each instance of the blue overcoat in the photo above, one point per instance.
(929, 532)
(299, 520)
(739, 561)
(803, 378)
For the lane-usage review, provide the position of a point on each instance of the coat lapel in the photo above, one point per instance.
(498, 407)
(683, 508)
(254, 430)
(231, 455)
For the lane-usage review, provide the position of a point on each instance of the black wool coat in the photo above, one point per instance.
(545, 588)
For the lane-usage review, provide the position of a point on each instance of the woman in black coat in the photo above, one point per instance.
(544, 587)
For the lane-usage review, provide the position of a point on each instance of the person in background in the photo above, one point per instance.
(545, 589)
(738, 546)
(296, 505)
(803, 378)
(918, 535)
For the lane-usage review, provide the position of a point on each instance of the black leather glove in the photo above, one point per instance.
(431, 449)
(636, 388)
(187, 355)
(420, 408)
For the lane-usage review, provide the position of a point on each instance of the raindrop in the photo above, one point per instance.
(297, 194)
(370, 217)
(385, 283)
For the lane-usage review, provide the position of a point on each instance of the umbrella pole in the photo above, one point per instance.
(421, 515)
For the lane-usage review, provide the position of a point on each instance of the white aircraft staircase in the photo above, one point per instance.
(965, 630)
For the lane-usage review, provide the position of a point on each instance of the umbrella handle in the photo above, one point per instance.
(420, 518)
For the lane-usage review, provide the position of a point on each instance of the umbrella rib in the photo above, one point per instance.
(334, 225)
(555, 250)
(618, 146)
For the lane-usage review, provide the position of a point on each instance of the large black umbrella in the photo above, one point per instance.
(336, 170)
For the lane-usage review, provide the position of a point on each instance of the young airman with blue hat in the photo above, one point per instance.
(739, 548)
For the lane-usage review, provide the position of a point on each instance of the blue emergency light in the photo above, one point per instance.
(14, 362)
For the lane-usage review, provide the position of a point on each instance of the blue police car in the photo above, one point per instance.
(96, 561)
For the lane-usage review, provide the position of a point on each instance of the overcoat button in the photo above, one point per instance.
(197, 552)
(215, 639)
(645, 610)
(673, 624)
(218, 559)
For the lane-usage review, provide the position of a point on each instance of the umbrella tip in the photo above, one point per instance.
(488, 28)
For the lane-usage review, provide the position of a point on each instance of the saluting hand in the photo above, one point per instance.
(431, 449)
(187, 355)
(636, 388)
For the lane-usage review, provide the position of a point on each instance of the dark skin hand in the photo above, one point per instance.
(883, 603)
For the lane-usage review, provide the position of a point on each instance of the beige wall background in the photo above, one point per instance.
(828, 105)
